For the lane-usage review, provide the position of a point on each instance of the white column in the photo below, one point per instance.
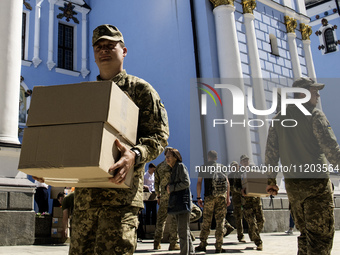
(301, 7)
(84, 71)
(10, 69)
(287, 3)
(310, 65)
(294, 56)
(309, 59)
(50, 63)
(238, 137)
(36, 59)
(256, 75)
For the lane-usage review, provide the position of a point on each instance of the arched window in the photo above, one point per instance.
(327, 37)
(329, 40)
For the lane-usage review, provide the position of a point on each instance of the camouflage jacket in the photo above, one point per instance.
(152, 135)
(162, 178)
(304, 147)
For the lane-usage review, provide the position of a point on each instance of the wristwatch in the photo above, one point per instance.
(138, 156)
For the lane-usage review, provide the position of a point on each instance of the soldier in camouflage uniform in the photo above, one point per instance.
(237, 198)
(162, 177)
(212, 204)
(310, 194)
(253, 213)
(105, 220)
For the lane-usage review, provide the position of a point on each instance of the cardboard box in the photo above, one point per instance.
(56, 232)
(82, 103)
(77, 155)
(255, 189)
(57, 222)
(257, 177)
(255, 184)
(57, 212)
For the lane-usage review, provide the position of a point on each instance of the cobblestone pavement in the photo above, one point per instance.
(273, 243)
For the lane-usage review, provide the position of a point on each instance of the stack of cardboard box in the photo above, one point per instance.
(57, 223)
(71, 132)
(255, 184)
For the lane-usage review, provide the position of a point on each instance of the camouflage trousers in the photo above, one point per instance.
(238, 215)
(162, 215)
(252, 211)
(218, 206)
(104, 230)
(312, 209)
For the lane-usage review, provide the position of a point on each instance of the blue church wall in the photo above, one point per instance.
(160, 40)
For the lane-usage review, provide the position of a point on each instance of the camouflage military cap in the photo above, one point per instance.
(244, 157)
(233, 163)
(306, 83)
(108, 32)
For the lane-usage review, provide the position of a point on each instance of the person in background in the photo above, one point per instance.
(58, 202)
(216, 201)
(41, 196)
(180, 199)
(237, 198)
(308, 144)
(291, 225)
(162, 178)
(252, 211)
(67, 207)
(149, 186)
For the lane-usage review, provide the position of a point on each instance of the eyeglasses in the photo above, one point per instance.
(100, 47)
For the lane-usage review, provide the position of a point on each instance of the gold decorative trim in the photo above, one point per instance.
(306, 31)
(248, 6)
(291, 24)
(217, 3)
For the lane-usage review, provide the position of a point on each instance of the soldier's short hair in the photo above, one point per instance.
(212, 154)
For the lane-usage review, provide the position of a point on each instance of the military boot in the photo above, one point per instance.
(174, 247)
(156, 245)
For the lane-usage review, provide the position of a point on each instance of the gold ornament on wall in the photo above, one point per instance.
(306, 31)
(217, 3)
(248, 6)
(291, 24)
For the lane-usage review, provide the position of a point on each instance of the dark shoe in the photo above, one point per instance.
(229, 230)
(174, 247)
(259, 247)
(156, 245)
(220, 250)
(200, 248)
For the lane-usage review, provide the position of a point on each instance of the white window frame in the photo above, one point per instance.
(28, 103)
(322, 39)
(25, 61)
(50, 63)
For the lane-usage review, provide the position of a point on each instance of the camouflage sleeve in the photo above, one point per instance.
(326, 137)
(157, 182)
(153, 130)
(272, 154)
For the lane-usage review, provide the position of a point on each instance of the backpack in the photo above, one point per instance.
(219, 184)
